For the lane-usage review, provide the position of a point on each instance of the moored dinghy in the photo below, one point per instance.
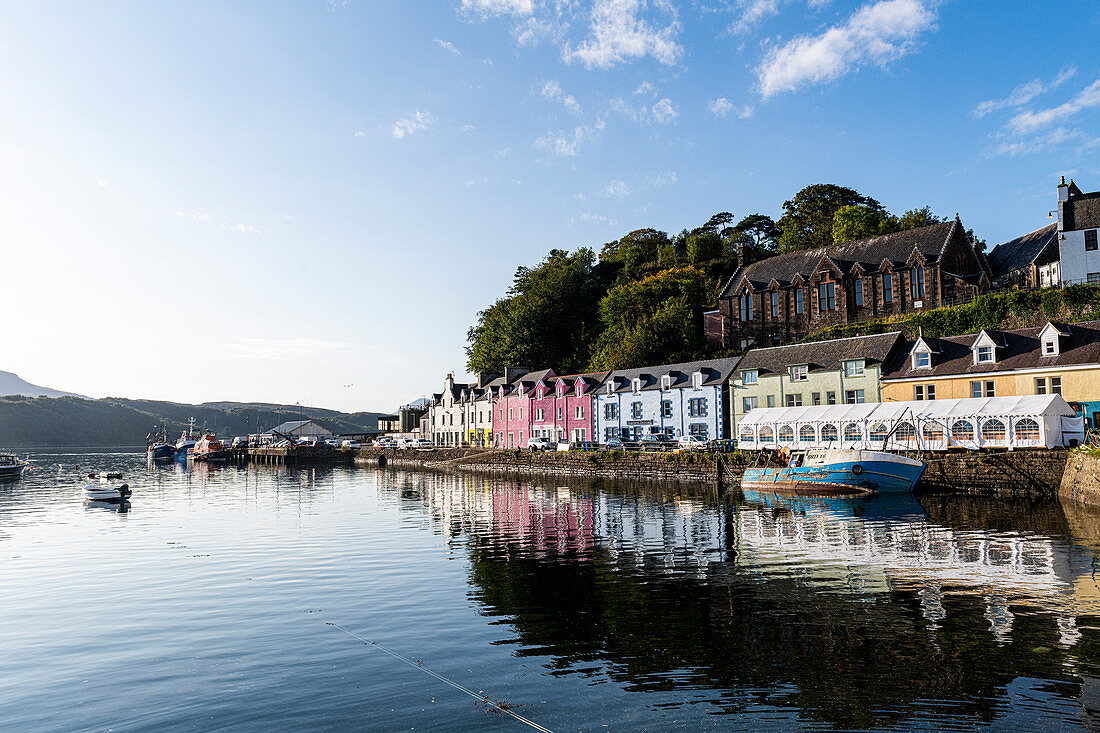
(833, 471)
(93, 492)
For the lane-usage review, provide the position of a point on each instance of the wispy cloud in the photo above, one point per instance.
(248, 229)
(617, 34)
(447, 46)
(552, 90)
(662, 179)
(563, 143)
(753, 12)
(664, 112)
(722, 107)
(1028, 121)
(196, 215)
(646, 88)
(877, 33)
(489, 8)
(616, 190)
(415, 122)
(288, 348)
(594, 219)
(1024, 93)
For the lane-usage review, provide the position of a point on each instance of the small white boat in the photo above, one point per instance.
(11, 466)
(92, 492)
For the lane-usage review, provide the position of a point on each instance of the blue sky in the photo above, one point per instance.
(309, 202)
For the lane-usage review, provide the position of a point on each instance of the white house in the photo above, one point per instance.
(1078, 222)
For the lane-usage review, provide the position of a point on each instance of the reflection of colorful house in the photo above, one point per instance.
(562, 408)
(543, 522)
(512, 408)
(1055, 359)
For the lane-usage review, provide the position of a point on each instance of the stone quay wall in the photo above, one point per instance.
(688, 467)
(1081, 480)
(1036, 474)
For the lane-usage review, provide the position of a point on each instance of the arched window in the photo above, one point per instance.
(932, 431)
(747, 436)
(1027, 429)
(807, 434)
(767, 435)
(878, 431)
(828, 433)
(852, 433)
(962, 430)
(906, 432)
(786, 434)
(993, 429)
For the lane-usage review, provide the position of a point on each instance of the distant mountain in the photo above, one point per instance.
(12, 384)
(74, 421)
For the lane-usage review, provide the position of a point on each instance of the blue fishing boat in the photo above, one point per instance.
(832, 471)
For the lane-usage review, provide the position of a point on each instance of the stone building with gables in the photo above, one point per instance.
(784, 298)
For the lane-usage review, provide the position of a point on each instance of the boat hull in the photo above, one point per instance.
(844, 477)
(12, 471)
(221, 456)
(162, 452)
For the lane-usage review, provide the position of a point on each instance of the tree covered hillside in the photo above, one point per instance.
(72, 421)
(640, 300)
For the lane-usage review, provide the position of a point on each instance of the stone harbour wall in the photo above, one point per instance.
(1022, 473)
(1081, 480)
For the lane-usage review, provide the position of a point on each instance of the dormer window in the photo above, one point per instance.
(666, 382)
(697, 380)
(1050, 347)
(636, 384)
(984, 355)
(580, 388)
(922, 360)
(750, 376)
(610, 386)
(1051, 339)
(985, 349)
(800, 373)
(853, 368)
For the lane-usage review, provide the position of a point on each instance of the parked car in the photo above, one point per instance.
(351, 444)
(537, 444)
(657, 440)
(382, 443)
(422, 443)
(691, 442)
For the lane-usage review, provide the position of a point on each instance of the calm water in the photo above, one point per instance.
(204, 607)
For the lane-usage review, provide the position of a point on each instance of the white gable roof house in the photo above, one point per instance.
(1032, 421)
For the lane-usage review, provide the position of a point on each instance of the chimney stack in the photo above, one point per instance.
(1063, 198)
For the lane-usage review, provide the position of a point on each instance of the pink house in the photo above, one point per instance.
(512, 409)
(562, 408)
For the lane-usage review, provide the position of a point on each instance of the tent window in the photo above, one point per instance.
(932, 432)
(878, 431)
(852, 433)
(1027, 429)
(786, 434)
(828, 433)
(906, 432)
(746, 436)
(767, 435)
(806, 434)
(962, 430)
(993, 430)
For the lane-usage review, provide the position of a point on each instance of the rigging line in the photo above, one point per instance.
(438, 676)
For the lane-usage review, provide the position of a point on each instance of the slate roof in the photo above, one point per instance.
(1023, 251)
(291, 425)
(594, 379)
(869, 253)
(528, 381)
(715, 371)
(1082, 211)
(1022, 350)
(824, 355)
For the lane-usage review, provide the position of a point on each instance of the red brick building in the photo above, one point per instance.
(784, 298)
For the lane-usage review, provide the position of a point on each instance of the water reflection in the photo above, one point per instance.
(858, 613)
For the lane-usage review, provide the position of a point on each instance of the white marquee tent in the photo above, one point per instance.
(1033, 421)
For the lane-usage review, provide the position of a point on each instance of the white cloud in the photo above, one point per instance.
(617, 34)
(1028, 121)
(752, 13)
(502, 153)
(721, 107)
(248, 229)
(664, 112)
(646, 88)
(1024, 93)
(415, 122)
(360, 133)
(561, 143)
(552, 90)
(1043, 141)
(447, 46)
(663, 179)
(616, 190)
(595, 219)
(288, 348)
(489, 8)
(102, 183)
(196, 215)
(877, 33)
(468, 128)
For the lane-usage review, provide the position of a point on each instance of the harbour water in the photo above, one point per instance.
(262, 598)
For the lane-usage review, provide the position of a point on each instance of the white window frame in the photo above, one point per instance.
(854, 367)
(750, 376)
(800, 372)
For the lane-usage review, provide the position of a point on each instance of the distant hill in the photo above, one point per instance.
(12, 384)
(74, 421)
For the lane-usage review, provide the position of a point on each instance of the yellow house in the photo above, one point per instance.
(1055, 359)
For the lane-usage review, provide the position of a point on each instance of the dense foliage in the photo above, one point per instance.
(641, 300)
(1001, 310)
(74, 421)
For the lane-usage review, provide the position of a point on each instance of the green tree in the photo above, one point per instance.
(807, 220)
(857, 222)
(703, 245)
(548, 318)
(915, 218)
(652, 321)
(635, 250)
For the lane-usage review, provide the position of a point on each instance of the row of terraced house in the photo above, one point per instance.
(768, 306)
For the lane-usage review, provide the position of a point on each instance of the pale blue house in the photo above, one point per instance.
(674, 399)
